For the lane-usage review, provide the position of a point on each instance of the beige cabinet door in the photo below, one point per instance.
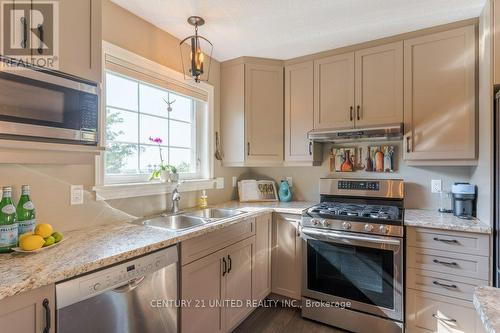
(286, 256)
(201, 287)
(334, 92)
(379, 85)
(232, 94)
(27, 312)
(264, 112)
(299, 111)
(80, 38)
(238, 283)
(440, 96)
(261, 272)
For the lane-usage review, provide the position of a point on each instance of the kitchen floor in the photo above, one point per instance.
(281, 320)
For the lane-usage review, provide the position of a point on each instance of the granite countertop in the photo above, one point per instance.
(434, 219)
(487, 303)
(89, 249)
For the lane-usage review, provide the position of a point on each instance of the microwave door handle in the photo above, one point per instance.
(340, 236)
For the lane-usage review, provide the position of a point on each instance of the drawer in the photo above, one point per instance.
(443, 284)
(427, 312)
(201, 246)
(465, 265)
(452, 241)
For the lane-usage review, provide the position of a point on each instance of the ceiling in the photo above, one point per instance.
(285, 29)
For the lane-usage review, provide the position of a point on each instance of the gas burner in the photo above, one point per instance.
(348, 210)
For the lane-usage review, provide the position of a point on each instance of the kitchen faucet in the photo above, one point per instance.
(176, 197)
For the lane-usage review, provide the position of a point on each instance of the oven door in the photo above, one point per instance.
(47, 105)
(363, 270)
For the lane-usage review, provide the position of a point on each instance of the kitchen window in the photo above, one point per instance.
(150, 113)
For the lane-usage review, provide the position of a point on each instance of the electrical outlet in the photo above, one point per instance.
(235, 181)
(76, 195)
(436, 186)
(290, 181)
(219, 183)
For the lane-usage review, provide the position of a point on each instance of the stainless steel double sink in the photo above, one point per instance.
(187, 220)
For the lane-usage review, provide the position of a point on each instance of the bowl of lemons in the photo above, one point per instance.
(43, 237)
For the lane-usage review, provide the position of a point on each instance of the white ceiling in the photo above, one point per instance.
(285, 29)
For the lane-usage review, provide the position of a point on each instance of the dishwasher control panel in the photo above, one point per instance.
(114, 277)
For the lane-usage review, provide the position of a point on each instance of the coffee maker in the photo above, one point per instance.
(464, 200)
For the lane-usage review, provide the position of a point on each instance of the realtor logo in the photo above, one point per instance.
(29, 33)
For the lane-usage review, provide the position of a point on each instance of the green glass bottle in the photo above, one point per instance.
(25, 211)
(8, 221)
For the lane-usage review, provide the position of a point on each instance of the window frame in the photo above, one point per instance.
(204, 139)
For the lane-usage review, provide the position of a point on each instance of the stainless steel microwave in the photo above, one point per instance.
(42, 105)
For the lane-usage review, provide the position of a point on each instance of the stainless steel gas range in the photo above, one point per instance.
(353, 256)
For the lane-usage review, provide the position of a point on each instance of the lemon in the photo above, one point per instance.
(49, 241)
(26, 234)
(31, 242)
(43, 230)
(57, 236)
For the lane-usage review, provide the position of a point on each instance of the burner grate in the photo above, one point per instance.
(335, 209)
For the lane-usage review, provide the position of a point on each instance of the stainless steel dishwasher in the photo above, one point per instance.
(138, 295)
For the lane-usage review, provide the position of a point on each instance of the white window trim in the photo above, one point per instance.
(123, 190)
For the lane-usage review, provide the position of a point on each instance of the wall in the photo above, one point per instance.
(417, 179)
(51, 183)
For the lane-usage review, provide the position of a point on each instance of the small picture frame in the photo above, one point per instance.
(257, 191)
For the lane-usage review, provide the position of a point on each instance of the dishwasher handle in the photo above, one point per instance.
(130, 286)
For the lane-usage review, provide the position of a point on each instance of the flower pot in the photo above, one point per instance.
(174, 177)
(164, 176)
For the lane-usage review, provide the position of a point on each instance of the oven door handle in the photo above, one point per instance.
(345, 237)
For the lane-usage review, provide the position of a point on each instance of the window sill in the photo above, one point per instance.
(122, 191)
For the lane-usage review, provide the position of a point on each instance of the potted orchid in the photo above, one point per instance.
(163, 171)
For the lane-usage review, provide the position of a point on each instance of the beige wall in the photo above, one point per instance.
(51, 183)
(417, 179)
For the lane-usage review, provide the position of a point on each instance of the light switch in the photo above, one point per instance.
(76, 195)
(290, 181)
(219, 183)
(235, 181)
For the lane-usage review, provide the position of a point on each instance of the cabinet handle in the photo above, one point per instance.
(350, 113)
(46, 306)
(24, 42)
(408, 144)
(224, 266)
(40, 32)
(445, 263)
(248, 148)
(444, 319)
(357, 112)
(437, 283)
(230, 265)
(449, 241)
(310, 148)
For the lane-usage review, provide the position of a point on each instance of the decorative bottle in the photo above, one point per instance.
(25, 211)
(347, 165)
(8, 221)
(379, 160)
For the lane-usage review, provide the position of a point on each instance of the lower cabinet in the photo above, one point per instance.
(29, 312)
(444, 267)
(286, 256)
(218, 289)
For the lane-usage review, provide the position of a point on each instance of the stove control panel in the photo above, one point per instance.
(358, 185)
(353, 226)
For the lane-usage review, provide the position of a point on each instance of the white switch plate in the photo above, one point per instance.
(219, 183)
(290, 181)
(436, 186)
(235, 181)
(76, 195)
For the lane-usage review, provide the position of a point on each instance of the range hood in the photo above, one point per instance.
(390, 132)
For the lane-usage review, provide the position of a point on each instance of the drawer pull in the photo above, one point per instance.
(445, 263)
(437, 283)
(444, 319)
(449, 241)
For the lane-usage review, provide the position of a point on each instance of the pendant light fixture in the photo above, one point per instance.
(196, 53)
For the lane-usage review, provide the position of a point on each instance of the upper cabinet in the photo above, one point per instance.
(359, 89)
(440, 97)
(80, 41)
(299, 114)
(334, 92)
(252, 112)
(379, 85)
